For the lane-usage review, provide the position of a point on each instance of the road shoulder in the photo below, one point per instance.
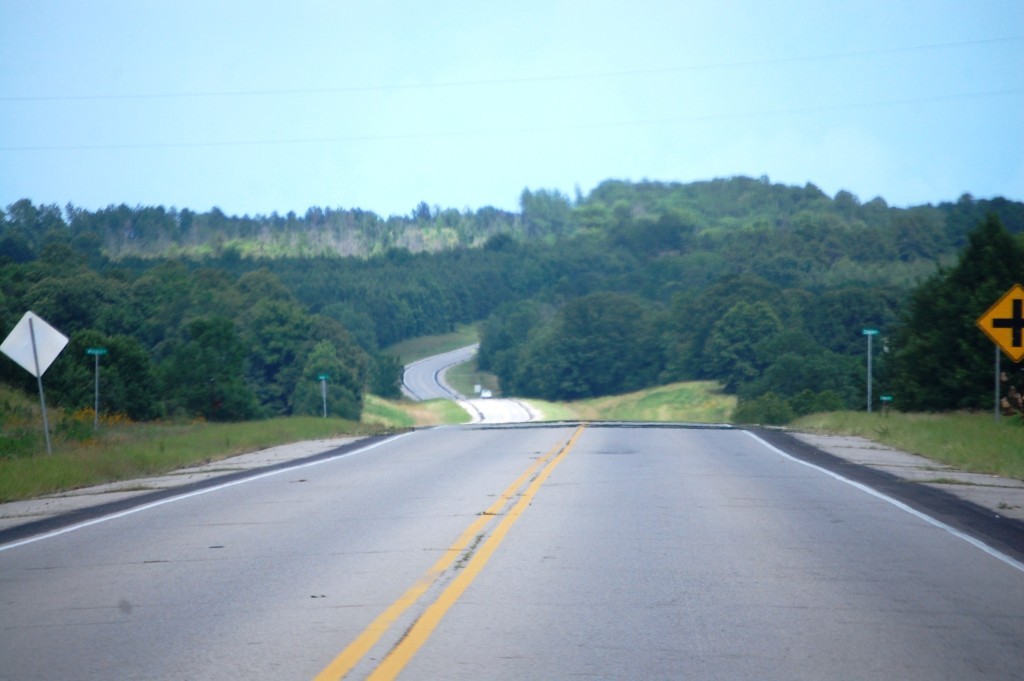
(988, 507)
(20, 519)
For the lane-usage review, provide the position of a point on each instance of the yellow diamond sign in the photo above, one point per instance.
(1004, 323)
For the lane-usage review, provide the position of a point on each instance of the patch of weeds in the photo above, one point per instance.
(135, 488)
(18, 443)
(946, 481)
(76, 426)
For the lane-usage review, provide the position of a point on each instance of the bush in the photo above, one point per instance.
(808, 402)
(768, 409)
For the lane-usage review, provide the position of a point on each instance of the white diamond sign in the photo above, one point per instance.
(48, 344)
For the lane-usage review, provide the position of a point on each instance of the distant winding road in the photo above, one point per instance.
(424, 380)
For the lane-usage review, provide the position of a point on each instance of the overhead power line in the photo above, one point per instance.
(934, 99)
(510, 81)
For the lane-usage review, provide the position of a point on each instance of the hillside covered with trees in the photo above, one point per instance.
(762, 287)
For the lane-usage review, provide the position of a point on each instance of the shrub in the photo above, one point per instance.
(768, 409)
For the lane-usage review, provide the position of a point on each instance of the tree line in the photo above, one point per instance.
(762, 287)
(772, 307)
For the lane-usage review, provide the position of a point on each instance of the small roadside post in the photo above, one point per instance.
(96, 353)
(870, 333)
(323, 390)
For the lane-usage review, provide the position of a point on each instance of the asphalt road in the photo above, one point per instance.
(518, 552)
(425, 380)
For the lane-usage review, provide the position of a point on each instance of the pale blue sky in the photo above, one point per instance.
(256, 107)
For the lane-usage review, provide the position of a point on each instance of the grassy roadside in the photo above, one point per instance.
(123, 451)
(406, 414)
(968, 441)
(414, 349)
(693, 402)
(465, 377)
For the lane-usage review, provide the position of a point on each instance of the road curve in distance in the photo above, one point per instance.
(424, 379)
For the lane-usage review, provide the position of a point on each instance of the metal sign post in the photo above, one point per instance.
(39, 380)
(870, 333)
(34, 345)
(998, 371)
(96, 352)
(1004, 324)
(323, 390)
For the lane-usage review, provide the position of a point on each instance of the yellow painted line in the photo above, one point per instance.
(421, 630)
(350, 657)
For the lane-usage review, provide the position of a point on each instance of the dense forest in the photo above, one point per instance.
(763, 287)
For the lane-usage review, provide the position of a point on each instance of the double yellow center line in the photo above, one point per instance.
(396, 660)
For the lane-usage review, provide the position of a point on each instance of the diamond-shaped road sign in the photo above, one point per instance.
(1004, 323)
(48, 344)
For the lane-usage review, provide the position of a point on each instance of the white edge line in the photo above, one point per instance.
(188, 495)
(1012, 562)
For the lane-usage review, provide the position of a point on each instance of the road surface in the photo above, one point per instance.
(425, 380)
(536, 551)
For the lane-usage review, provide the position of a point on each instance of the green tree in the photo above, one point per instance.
(205, 375)
(693, 318)
(941, 359)
(385, 376)
(343, 400)
(275, 334)
(732, 353)
(127, 379)
(600, 344)
(545, 212)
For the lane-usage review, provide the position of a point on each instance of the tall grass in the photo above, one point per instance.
(968, 441)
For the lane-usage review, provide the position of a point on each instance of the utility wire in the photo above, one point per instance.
(512, 81)
(934, 99)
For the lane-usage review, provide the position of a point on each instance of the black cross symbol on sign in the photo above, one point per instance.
(1014, 322)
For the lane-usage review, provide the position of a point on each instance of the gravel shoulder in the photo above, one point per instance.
(1003, 496)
